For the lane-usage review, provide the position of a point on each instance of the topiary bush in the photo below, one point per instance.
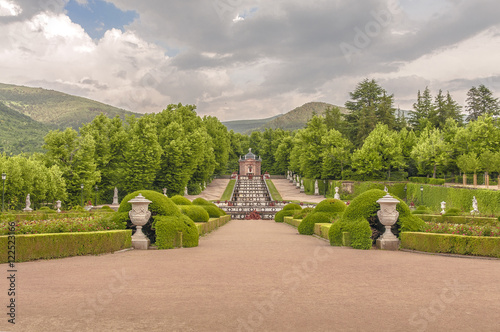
(292, 206)
(331, 206)
(161, 205)
(453, 212)
(306, 227)
(106, 208)
(46, 209)
(181, 200)
(213, 211)
(196, 213)
(168, 227)
(360, 234)
(335, 233)
(280, 216)
(365, 206)
(201, 201)
(301, 214)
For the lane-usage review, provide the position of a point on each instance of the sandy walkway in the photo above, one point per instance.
(213, 191)
(257, 276)
(289, 192)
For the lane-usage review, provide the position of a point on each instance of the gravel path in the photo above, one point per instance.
(257, 276)
(213, 191)
(289, 192)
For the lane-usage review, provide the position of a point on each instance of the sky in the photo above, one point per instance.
(248, 59)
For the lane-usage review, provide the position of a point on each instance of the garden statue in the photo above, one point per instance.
(474, 206)
(297, 184)
(115, 197)
(302, 189)
(58, 206)
(443, 207)
(28, 204)
(186, 191)
(337, 195)
(294, 179)
(386, 190)
(165, 191)
(316, 188)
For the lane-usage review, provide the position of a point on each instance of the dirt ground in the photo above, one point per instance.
(256, 276)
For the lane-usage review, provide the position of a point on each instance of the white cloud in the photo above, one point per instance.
(9, 8)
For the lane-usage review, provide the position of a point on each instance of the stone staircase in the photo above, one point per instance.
(251, 195)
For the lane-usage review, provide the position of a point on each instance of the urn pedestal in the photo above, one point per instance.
(388, 215)
(139, 215)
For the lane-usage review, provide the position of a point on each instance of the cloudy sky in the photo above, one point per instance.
(247, 59)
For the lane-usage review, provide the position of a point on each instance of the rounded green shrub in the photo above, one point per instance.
(360, 233)
(335, 233)
(46, 209)
(365, 206)
(301, 214)
(106, 208)
(213, 211)
(331, 206)
(168, 227)
(292, 206)
(160, 205)
(201, 201)
(453, 212)
(196, 213)
(306, 226)
(181, 200)
(280, 216)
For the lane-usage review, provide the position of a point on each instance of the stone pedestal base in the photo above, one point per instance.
(140, 244)
(114, 206)
(27, 210)
(388, 244)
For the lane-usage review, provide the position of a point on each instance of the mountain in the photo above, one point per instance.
(20, 133)
(53, 107)
(295, 119)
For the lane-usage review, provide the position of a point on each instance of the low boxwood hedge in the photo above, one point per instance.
(462, 220)
(58, 245)
(201, 201)
(279, 217)
(168, 227)
(181, 200)
(292, 206)
(306, 226)
(453, 244)
(359, 233)
(196, 213)
(161, 205)
(301, 214)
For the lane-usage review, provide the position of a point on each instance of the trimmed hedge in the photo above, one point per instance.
(201, 201)
(425, 180)
(306, 227)
(292, 206)
(301, 214)
(365, 206)
(279, 217)
(59, 245)
(196, 213)
(462, 220)
(290, 221)
(453, 244)
(181, 200)
(213, 211)
(331, 206)
(168, 229)
(161, 205)
(359, 232)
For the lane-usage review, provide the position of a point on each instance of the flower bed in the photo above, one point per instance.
(66, 225)
(462, 229)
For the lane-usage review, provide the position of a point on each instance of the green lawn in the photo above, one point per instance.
(275, 195)
(226, 196)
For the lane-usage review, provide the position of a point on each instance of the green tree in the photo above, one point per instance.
(310, 148)
(430, 151)
(283, 153)
(423, 112)
(381, 152)
(218, 133)
(480, 101)
(335, 154)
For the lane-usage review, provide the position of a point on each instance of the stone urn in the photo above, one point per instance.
(139, 215)
(58, 206)
(388, 216)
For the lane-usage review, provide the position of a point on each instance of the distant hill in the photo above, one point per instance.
(19, 133)
(243, 126)
(295, 119)
(53, 107)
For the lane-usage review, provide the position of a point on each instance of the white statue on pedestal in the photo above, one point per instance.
(316, 188)
(443, 207)
(337, 195)
(474, 206)
(302, 188)
(186, 191)
(115, 197)
(28, 204)
(165, 191)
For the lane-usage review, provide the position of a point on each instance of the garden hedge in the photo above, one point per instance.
(292, 206)
(181, 200)
(453, 244)
(196, 213)
(365, 206)
(161, 205)
(279, 217)
(201, 201)
(301, 214)
(331, 206)
(462, 220)
(58, 245)
(168, 227)
(306, 227)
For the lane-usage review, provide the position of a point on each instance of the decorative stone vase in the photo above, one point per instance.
(302, 188)
(58, 206)
(139, 215)
(388, 216)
